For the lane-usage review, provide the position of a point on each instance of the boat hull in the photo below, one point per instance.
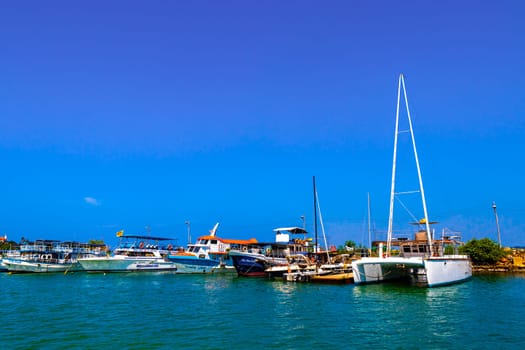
(319, 277)
(428, 272)
(448, 270)
(126, 264)
(333, 278)
(193, 264)
(250, 264)
(24, 266)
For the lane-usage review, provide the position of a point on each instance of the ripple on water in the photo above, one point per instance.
(161, 311)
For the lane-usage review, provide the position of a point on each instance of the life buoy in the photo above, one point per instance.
(244, 249)
(141, 245)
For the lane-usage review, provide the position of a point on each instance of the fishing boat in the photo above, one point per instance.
(423, 261)
(134, 253)
(208, 255)
(304, 269)
(319, 267)
(50, 256)
(296, 263)
(252, 260)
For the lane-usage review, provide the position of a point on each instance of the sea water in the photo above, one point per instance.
(169, 311)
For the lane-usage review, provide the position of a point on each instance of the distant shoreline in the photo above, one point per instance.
(479, 269)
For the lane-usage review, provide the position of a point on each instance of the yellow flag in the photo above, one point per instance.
(120, 233)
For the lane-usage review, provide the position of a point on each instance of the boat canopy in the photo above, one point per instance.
(231, 241)
(295, 230)
(147, 238)
(423, 221)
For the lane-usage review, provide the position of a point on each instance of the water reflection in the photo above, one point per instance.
(284, 287)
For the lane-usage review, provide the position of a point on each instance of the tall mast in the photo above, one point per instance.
(421, 189)
(427, 224)
(315, 216)
(393, 186)
(369, 231)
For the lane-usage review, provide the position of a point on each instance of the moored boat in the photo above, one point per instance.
(6, 255)
(50, 256)
(297, 263)
(3, 268)
(210, 254)
(335, 271)
(333, 278)
(254, 259)
(320, 266)
(134, 253)
(423, 261)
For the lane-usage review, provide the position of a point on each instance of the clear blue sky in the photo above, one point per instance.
(126, 114)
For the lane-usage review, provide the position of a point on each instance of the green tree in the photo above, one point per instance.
(96, 241)
(8, 245)
(350, 244)
(345, 246)
(483, 251)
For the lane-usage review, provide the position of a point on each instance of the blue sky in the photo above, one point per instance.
(126, 114)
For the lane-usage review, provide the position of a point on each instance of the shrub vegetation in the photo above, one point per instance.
(483, 251)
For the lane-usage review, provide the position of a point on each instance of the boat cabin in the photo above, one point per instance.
(418, 246)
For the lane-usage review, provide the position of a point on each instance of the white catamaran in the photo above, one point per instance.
(423, 260)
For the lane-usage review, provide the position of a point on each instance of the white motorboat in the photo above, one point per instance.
(50, 256)
(135, 253)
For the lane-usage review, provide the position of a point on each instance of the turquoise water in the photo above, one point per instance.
(168, 311)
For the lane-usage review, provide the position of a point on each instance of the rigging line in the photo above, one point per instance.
(322, 226)
(408, 192)
(423, 200)
(408, 211)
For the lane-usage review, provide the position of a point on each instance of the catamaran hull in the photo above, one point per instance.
(428, 272)
(443, 271)
(110, 264)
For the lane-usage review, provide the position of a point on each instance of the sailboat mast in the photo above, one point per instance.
(369, 231)
(427, 224)
(315, 216)
(393, 186)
